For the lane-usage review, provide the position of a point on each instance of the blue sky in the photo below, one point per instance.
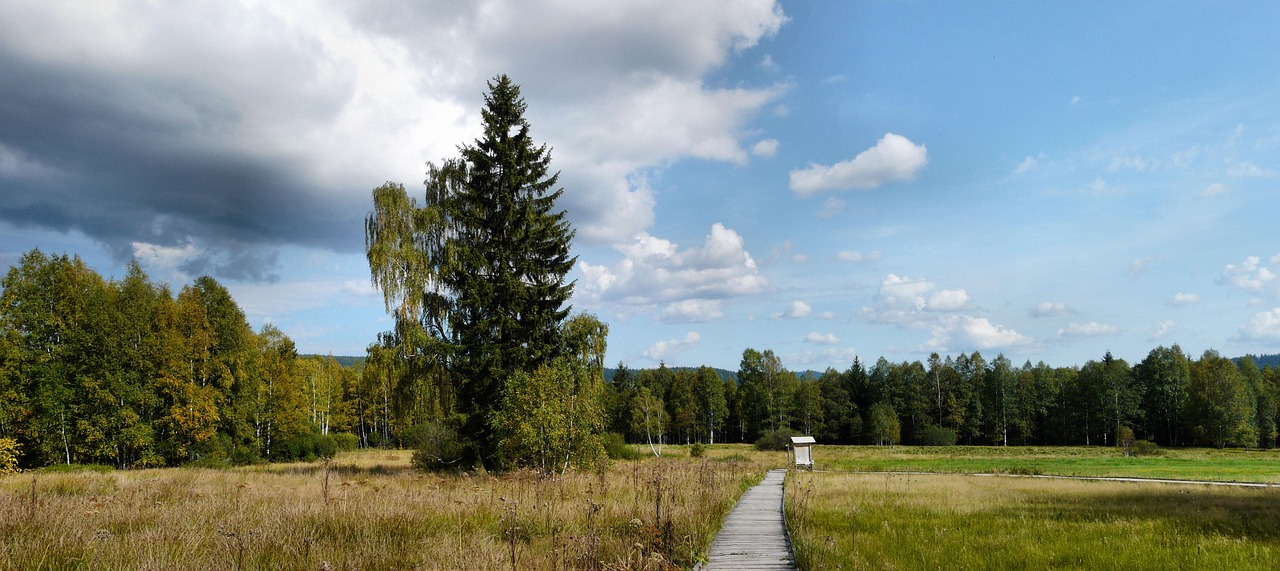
(824, 179)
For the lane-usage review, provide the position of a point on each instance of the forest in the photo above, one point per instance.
(128, 373)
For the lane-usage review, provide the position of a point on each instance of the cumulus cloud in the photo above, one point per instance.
(821, 338)
(797, 310)
(894, 158)
(655, 270)
(903, 300)
(765, 148)
(1252, 277)
(1090, 329)
(665, 349)
(963, 332)
(692, 311)
(1050, 309)
(1025, 166)
(1180, 299)
(831, 207)
(241, 128)
(1262, 328)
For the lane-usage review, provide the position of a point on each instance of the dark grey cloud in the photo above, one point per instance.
(125, 159)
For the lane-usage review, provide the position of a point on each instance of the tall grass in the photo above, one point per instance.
(369, 510)
(877, 521)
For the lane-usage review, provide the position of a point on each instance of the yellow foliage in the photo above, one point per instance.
(9, 451)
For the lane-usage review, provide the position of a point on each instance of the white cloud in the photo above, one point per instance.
(1252, 277)
(797, 310)
(831, 207)
(655, 270)
(1163, 329)
(692, 311)
(1248, 170)
(765, 148)
(1215, 189)
(1262, 328)
(767, 63)
(893, 158)
(1090, 329)
(1138, 268)
(1180, 299)
(1025, 166)
(856, 257)
(1075, 100)
(821, 338)
(662, 350)
(948, 300)
(1050, 309)
(963, 332)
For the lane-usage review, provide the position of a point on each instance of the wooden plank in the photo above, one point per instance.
(754, 535)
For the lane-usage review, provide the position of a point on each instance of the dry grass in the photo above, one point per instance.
(369, 510)
(882, 521)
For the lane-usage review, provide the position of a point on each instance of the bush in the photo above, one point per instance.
(775, 440)
(616, 447)
(310, 447)
(438, 447)
(9, 452)
(697, 450)
(936, 436)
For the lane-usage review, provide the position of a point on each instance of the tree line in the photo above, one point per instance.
(1168, 398)
(126, 373)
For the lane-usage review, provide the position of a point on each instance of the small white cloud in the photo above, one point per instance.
(797, 310)
(1163, 329)
(856, 257)
(1090, 329)
(358, 288)
(662, 350)
(1180, 299)
(1050, 309)
(1075, 100)
(1138, 268)
(767, 63)
(893, 158)
(1262, 328)
(765, 148)
(831, 207)
(1025, 166)
(1252, 277)
(1248, 170)
(1215, 189)
(826, 315)
(837, 78)
(821, 338)
(692, 311)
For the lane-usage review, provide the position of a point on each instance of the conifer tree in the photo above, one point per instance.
(475, 276)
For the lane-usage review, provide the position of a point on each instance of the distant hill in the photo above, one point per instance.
(1263, 361)
(344, 360)
(724, 374)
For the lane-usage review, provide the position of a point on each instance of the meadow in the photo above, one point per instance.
(1228, 465)
(852, 517)
(369, 510)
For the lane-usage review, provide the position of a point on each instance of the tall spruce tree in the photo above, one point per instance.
(475, 276)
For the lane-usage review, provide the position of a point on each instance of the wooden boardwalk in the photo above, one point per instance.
(754, 535)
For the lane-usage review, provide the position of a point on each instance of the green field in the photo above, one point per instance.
(850, 517)
(1232, 465)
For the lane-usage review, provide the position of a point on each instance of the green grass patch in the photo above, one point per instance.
(864, 521)
(1189, 464)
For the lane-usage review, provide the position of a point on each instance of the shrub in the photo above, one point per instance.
(697, 450)
(438, 447)
(615, 446)
(936, 436)
(775, 440)
(9, 452)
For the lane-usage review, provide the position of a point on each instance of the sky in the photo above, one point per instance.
(1049, 181)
